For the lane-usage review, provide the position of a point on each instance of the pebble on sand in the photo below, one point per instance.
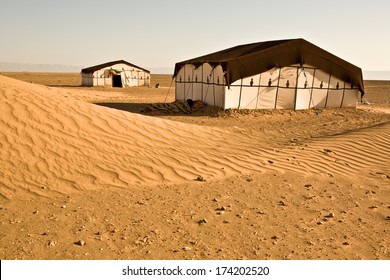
(80, 243)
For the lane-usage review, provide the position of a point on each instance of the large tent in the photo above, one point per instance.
(282, 74)
(118, 73)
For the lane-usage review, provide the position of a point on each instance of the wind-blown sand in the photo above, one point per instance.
(82, 181)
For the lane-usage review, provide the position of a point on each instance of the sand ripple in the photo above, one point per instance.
(52, 143)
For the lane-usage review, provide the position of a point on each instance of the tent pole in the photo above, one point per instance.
(239, 99)
(97, 75)
(202, 82)
(214, 85)
(277, 88)
(296, 89)
(192, 82)
(190, 86)
(208, 84)
(184, 82)
(258, 91)
(342, 99)
(327, 93)
(170, 86)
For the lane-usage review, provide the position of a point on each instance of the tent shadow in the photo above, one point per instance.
(66, 86)
(141, 108)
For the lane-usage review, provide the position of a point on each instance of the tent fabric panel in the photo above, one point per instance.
(303, 98)
(335, 98)
(207, 89)
(219, 86)
(285, 98)
(336, 83)
(198, 83)
(249, 97)
(266, 98)
(304, 88)
(305, 77)
(351, 97)
(87, 79)
(252, 81)
(250, 92)
(209, 97)
(318, 98)
(179, 85)
(269, 78)
(188, 85)
(288, 77)
(232, 97)
(321, 79)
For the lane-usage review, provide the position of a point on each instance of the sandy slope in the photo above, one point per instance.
(124, 182)
(53, 143)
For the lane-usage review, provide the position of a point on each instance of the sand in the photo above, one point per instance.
(85, 175)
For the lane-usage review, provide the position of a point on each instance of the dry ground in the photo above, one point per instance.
(311, 184)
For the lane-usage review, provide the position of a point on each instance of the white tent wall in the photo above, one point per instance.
(304, 89)
(285, 95)
(250, 87)
(208, 90)
(335, 93)
(197, 88)
(293, 87)
(87, 79)
(179, 85)
(202, 83)
(130, 76)
(320, 89)
(349, 99)
(218, 86)
(269, 81)
(188, 81)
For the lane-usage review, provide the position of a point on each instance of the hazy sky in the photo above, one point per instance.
(159, 33)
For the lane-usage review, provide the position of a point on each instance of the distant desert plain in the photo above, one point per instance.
(88, 173)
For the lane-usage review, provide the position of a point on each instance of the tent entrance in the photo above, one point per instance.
(117, 81)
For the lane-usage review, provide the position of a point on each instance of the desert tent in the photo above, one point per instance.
(282, 74)
(118, 73)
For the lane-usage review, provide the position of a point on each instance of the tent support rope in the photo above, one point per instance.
(312, 88)
(166, 97)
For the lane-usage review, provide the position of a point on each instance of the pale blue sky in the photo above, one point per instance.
(159, 33)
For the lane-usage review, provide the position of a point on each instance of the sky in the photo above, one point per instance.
(153, 34)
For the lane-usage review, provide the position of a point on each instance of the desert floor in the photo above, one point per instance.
(86, 174)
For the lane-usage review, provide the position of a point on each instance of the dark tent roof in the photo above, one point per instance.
(100, 66)
(247, 60)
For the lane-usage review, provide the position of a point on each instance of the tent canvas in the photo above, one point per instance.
(283, 74)
(118, 73)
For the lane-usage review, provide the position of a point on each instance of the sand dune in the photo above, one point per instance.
(53, 143)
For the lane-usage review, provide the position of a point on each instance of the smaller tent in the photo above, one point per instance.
(282, 74)
(118, 73)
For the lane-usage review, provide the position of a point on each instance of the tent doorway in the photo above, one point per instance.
(117, 81)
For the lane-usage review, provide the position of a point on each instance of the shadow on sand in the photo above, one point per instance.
(142, 108)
